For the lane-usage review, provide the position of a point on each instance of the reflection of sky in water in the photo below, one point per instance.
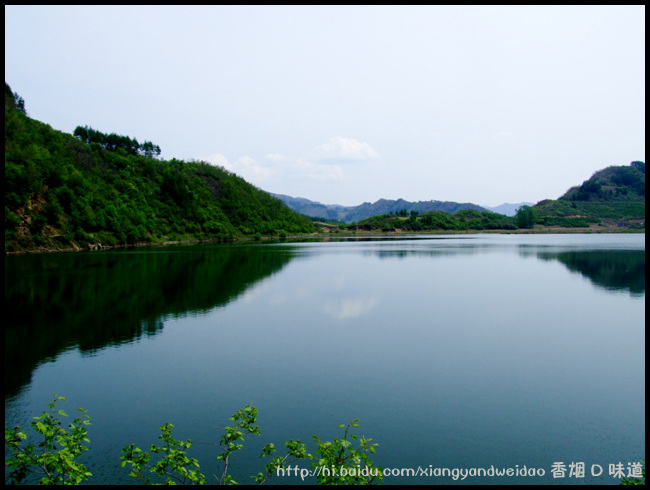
(480, 243)
(349, 307)
(461, 352)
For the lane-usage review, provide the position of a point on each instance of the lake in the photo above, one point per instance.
(456, 352)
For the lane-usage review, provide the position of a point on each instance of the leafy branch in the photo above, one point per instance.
(174, 464)
(55, 458)
(340, 454)
(246, 422)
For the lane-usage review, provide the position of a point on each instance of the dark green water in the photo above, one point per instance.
(454, 352)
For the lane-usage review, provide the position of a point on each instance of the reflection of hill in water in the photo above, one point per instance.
(57, 301)
(616, 270)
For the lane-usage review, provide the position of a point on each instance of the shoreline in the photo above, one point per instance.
(329, 235)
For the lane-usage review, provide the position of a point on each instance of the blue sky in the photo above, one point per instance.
(350, 104)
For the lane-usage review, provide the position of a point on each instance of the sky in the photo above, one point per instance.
(345, 105)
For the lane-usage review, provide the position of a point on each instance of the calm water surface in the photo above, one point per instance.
(453, 351)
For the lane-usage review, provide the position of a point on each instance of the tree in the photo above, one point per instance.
(114, 142)
(17, 101)
(526, 217)
(638, 165)
(347, 465)
(149, 150)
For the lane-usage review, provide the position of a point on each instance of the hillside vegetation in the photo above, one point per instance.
(95, 189)
(610, 200)
(98, 189)
(437, 220)
(612, 197)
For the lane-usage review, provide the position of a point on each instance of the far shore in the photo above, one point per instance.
(334, 233)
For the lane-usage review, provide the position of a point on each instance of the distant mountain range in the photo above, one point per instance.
(351, 214)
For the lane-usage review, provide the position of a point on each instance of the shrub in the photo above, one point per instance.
(56, 457)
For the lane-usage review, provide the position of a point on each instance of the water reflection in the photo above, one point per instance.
(54, 302)
(345, 308)
(619, 269)
(613, 270)
(480, 350)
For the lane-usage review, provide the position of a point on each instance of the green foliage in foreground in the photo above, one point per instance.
(635, 481)
(341, 454)
(55, 459)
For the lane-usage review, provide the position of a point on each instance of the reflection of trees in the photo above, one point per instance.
(622, 270)
(616, 270)
(91, 300)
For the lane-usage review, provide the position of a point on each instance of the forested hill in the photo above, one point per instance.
(613, 198)
(615, 183)
(63, 191)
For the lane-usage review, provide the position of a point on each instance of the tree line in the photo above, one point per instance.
(114, 142)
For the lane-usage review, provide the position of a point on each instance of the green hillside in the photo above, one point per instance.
(63, 191)
(465, 220)
(612, 184)
(611, 198)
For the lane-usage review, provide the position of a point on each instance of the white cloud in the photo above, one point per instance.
(280, 167)
(244, 166)
(218, 160)
(247, 166)
(339, 148)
